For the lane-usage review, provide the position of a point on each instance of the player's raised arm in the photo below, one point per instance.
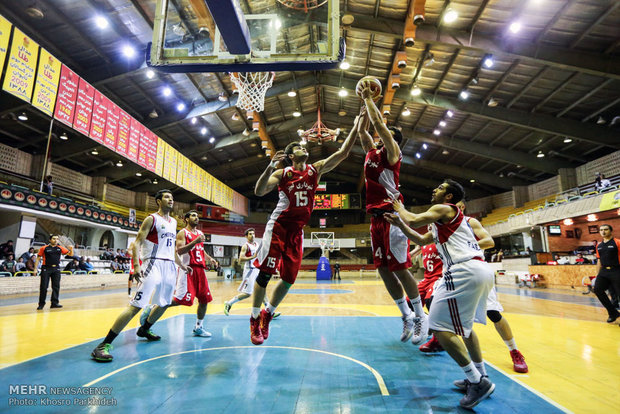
(391, 146)
(329, 163)
(485, 241)
(414, 236)
(437, 212)
(270, 178)
(365, 137)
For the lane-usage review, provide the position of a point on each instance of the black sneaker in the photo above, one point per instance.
(462, 384)
(58, 305)
(476, 393)
(102, 353)
(149, 335)
(613, 318)
(40, 307)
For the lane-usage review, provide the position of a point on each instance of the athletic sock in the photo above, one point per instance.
(110, 337)
(129, 291)
(271, 309)
(480, 367)
(402, 305)
(198, 323)
(473, 375)
(417, 306)
(511, 344)
(233, 301)
(255, 312)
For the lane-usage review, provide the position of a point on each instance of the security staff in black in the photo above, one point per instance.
(50, 253)
(608, 253)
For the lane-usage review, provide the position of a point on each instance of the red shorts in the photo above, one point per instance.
(285, 242)
(425, 287)
(390, 247)
(194, 285)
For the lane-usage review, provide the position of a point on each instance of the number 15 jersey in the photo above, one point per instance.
(296, 191)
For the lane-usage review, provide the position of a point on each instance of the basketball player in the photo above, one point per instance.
(194, 284)
(461, 293)
(283, 237)
(156, 239)
(390, 247)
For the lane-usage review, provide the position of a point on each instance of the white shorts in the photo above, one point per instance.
(249, 278)
(460, 297)
(157, 284)
(492, 301)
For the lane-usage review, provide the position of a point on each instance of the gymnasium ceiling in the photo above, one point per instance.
(556, 80)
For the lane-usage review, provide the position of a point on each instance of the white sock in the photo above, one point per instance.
(473, 375)
(199, 323)
(271, 309)
(255, 312)
(417, 306)
(511, 344)
(480, 367)
(402, 305)
(233, 301)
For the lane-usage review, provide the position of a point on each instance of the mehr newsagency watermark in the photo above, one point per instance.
(27, 395)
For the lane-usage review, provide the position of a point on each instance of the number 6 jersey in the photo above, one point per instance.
(296, 191)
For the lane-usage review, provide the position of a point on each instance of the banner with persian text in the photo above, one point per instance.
(84, 107)
(19, 78)
(67, 94)
(100, 116)
(111, 124)
(5, 35)
(46, 85)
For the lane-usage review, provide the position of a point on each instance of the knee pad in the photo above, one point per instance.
(286, 284)
(494, 316)
(263, 279)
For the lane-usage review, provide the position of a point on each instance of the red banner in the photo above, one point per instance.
(111, 125)
(151, 160)
(83, 107)
(134, 140)
(122, 141)
(145, 143)
(100, 113)
(67, 93)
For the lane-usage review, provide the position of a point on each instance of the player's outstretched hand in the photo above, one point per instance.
(398, 205)
(137, 276)
(394, 219)
(365, 90)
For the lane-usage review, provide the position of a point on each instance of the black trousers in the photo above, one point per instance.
(47, 274)
(605, 279)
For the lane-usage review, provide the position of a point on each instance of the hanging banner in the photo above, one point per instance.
(174, 172)
(144, 142)
(161, 149)
(100, 114)
(19, 78)
(122, 140)
(151, 160)
(134, 140)
(207, 183)
(5, 35)
(46, 85)
(167, 164)
(84, 107)
(111, 124)
(67, 94)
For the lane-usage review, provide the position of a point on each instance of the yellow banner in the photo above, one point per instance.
(167, 161)
(46, 86)
(19, 78)
(174, 173)
(5, 35)
(610, 201)
(159, 160)
(207, 182)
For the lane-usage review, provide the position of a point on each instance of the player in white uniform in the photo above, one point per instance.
(156, 277)
(461, 294)
(248, 253)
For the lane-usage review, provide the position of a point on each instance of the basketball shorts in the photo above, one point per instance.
(390, 247)
(285, 242)
(157, 284)
(249, 278)
(460, 297)
(492, 301)
(192, 285)
(425, 287)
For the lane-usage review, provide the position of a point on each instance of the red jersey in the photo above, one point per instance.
(196, 256)
(381, 180)
(433, 266)
(296, 191)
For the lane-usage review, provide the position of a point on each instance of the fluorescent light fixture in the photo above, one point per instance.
(418, 155)
(540, 154)
(180, 106)
(416, 91)
(442, 123)
(167, 91)
(119, 163)
(342, 93)
(194, 120)
(94, 152)
(406, 112)
(296, 114)
(150, 73)
(515, 27)
(63, 136)
(138, 174)
(203, 130)
(464, 95)
(450, 114)
(292, 93)
(211, 140)
(567, 140)
(436, 132)
(22, 116)
(488, 61)
(128, 51)
(450, 16)
(101, 22)
(344, 65)
(155, 181)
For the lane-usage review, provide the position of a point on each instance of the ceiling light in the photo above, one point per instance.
(246, 132)
(342, 112)
(300, 131)
(445, 152)
(450, 114)
(344, 65)
(119, 164)
(222, 97)
(180, 106)
(492, 103)
(515, 27)
(540, 154)
(94, 152)
(418, 155)
(416, 91)
(406, 112)
(450, 16)
(425, 146)
(464, 95)
(235, 116)
(138, 174)
(488, 61)
(204, 158)
(155, 181)
(296, 114)
(35, 13)
(211, 140)
(101, 22)
(150, 73)
(194, 120)
(567, 140)
(442, 123)
(472, 181)
(342, 93)
(591, 217)
(128, 51)
(63, 136)
(568, 222)
(22, 116)
(260, 155)
(600, 120)
(292, 93)
(203, 130)
(153, 114)
(436, 132)
(167, 91)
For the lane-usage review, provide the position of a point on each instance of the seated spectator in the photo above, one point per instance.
(27, 255)
(500, 255)
(115, 265)
(20, 266)
(126, 266)
(600, 182)
(561, 260)
(89, 266)
(8, 265)
(30, 264)
(6, 249)
(582, 260)
(72, 266)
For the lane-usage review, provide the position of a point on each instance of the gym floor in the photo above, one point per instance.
(335, 349)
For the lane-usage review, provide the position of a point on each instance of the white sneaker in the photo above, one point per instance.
(420, 330)
(407, 327)
(202, 333)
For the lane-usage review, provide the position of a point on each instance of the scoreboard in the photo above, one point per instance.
(336, 201)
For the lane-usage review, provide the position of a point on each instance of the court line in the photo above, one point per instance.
(378, 377)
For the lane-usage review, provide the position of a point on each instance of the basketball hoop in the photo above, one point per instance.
(304, 5)
(319, 132)
(252, 87)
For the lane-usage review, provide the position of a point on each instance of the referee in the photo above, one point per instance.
(51, 269)
(608, 253)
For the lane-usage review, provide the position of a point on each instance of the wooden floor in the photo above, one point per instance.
(572, 353)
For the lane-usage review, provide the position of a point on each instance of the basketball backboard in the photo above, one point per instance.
(246, 35)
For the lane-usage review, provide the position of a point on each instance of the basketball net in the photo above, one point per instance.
(252, 87)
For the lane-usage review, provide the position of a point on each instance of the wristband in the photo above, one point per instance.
(273, 164)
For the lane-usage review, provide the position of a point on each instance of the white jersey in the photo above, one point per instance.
(160, 243)
(456, 241)
(251, 249)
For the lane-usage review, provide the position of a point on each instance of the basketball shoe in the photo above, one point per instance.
(462, 384)
(477, 392)
(420, 329)
(102, 353)
(256, 336)
(227, 307)
(265, 319)
(518, 361)
(148, 334)
(431, 346)
(201, 332)
(408, 322)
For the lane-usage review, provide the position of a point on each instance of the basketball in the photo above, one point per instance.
(375, 87)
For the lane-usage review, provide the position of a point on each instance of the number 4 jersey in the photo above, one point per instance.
(296, 191)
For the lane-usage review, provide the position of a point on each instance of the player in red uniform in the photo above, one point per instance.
(390, 247)
(189, 246)
(283, 237)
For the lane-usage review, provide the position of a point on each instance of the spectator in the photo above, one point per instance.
(85, 264)
(72, 266)
(561, 260)
(500, 255)
(30, 264)
(20, 266)
(48, 185)
(6, 249)
(532, 255)
(582, 260)
(600, 182)
(27, 255)
(115, 265)
(9, 264)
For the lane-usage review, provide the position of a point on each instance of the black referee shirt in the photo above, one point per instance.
(51, 254)
(608, 253)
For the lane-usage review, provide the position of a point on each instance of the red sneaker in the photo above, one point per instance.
(518, 361)
(265, 318)
(256, 335)
(431, 346)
